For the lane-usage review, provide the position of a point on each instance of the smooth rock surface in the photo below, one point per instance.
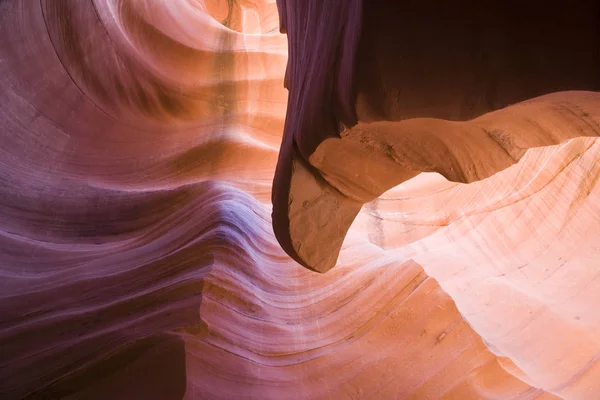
(138, 144)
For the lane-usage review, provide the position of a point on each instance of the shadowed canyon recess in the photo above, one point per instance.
(299, 199)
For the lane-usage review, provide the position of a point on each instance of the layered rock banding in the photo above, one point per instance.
(390, 61)
(137, 259)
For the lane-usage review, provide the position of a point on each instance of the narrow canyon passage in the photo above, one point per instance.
(139, 144)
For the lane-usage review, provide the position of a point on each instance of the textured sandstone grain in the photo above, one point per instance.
(138, 142)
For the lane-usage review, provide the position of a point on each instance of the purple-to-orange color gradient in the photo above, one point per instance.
(299, 199)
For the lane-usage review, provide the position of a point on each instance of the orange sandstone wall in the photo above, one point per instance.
(139, 141)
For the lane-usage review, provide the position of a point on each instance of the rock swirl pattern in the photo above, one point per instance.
(139, 139)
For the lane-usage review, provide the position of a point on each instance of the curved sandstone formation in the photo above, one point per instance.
(137, 259)
(371, 158)
(404, 61)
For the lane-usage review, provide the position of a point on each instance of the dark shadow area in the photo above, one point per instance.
(457, 60)
(151, 368)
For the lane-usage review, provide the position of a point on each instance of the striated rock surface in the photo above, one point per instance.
(390, 61)
(139, 140)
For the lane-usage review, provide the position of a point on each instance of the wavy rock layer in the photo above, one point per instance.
(367, 62)
(139, 140)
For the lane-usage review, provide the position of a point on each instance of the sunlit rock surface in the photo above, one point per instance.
(139, 141)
